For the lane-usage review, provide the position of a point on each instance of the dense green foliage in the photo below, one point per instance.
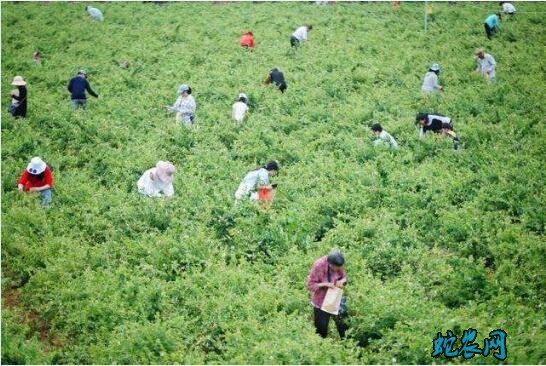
(434, 239)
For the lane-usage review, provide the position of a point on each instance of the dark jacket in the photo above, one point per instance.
(21, 110)
(77, 87)
(277, 78)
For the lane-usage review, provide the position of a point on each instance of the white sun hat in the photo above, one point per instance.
(18, 80)
(36, 166)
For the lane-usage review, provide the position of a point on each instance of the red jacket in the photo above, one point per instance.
(247, 40)
(318, 274)
(29, 180)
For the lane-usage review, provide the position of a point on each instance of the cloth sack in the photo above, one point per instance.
(332, 301)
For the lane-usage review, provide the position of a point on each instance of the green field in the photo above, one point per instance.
(435, 239)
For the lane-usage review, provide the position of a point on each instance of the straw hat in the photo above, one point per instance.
(478, 51)
(18, 80)
(36, 166)
(165, 171)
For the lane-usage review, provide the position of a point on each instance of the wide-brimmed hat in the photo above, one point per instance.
(165, 171)
(36, 166)
(434, 67)
(478, 51)
(243, 95)
(82, 72)
(182, 88)
(18, 80)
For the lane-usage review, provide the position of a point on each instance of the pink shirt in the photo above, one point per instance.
(318, 274)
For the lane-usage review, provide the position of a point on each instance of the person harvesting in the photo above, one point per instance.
(247, 40)
(300, 35)
(384, 137)
(184, 106)
(326, 272)
(430, 82)
(486, 64)
(77, 87)
(18, 106)
(37, 177)
(257, 180)
(438, 124)
(277, 78)
(492, 24)
(157, 181)
(240, 108)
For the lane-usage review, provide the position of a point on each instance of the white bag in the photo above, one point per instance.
(332, 301)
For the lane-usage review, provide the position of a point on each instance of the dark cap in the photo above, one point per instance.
(271, 165)
(377, 127)
(335, 258)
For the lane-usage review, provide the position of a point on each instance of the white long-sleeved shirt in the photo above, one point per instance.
(186, 106)
(95, 14)
(508, 8)
(430, 83)
(154, 187)
(384, 136)
(301, 33)
(238, 111)
(251, 182)
(487, 65)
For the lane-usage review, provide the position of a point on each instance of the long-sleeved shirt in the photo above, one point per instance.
(77, 87)
(384, 136)
(277, 77)
(95, 14)
(154, 187)
(301, 33)
(435, 124)
(487, 65)
(19, 99)
(430, 83)
(30, 180)
(321, 272)
(247, 41)
(186, 106)
(508, 8)
(238, 111)
(492, 21)
(251, 182)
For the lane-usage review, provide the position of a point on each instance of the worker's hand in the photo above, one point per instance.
(32, 189)
(326, 284)
(20, 187)
(340, 283)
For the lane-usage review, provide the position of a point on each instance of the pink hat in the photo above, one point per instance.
(165, 171)
(18, 81)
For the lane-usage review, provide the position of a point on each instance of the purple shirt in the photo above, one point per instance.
(318, 274)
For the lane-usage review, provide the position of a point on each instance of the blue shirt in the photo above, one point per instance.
(77, 87)
(492, 21)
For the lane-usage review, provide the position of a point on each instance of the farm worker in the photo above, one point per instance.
(492, 24)
(327, 272)
(77, 87)
(94, 13)
(276, 77)
(184, 105)
(240, 108)
(37, 177)
(437, 124)
(430, 83)
(247, 40)
(486, 64)
(255, 180)
(18, 106)
(157, 181)
(384, 137)
(508, 8)
(300, 35)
